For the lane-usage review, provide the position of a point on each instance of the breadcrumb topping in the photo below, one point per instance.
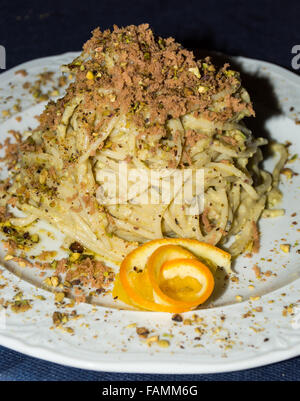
(149, 78)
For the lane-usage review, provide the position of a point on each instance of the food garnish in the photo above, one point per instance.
(169, 275)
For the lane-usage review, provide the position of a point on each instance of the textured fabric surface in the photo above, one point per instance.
(259, 29)
(16, 366)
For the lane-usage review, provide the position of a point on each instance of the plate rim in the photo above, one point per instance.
(146, 366)
(151, 366)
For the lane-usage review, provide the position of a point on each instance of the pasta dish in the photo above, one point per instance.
(148, 103)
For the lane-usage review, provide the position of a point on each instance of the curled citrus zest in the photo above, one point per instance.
(172, 258)
(135, 280)
(194, 282)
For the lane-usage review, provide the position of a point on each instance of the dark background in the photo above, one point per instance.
(263, 29)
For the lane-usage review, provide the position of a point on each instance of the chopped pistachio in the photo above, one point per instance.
(55, 92)
(147, 56)
(163, 343)
(18, 296)
(142, 332)
(6, 113)
(59, 296)
(47, 281)
(288, 173)
(195, 71)
(74, 256)
(168, 335)
(89, 75)
(52, 281)
(152, 339)
(202, 89)
(285, 248)
(57, 318)
(199, 330)
(35, 238)
(230, 73)
(255, 298)
(21, 306)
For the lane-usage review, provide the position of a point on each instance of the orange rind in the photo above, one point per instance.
(169, 275)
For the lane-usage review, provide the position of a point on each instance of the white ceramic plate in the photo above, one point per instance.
(230, 335)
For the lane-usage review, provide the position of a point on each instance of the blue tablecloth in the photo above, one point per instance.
(259, 29)
(16, 366)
